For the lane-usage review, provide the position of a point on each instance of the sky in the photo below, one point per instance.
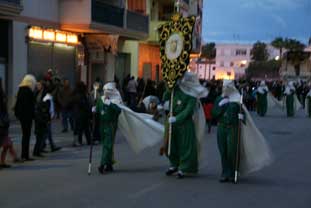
(239, 21)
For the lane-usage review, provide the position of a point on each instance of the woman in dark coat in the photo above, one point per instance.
(82, 114)
(24, 111)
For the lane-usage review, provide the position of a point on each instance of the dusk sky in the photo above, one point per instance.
(252, 20)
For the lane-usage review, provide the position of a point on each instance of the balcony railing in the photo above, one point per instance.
(11, 7)
(15, 2)
(137, 22)
(107, 14)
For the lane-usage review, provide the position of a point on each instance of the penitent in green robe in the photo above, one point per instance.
(227, 134)
(262, 104)
(184, 152)
(108, 115)
(290, 105)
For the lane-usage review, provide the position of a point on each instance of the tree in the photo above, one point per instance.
(295, 54)
(309, 42)
(279, 43)
(209, 52)
(259, 52)
(263, 69)
(293, 45)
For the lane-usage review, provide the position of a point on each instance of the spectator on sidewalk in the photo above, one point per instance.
(24, 111)
(42, 118)
(5, 141)
(64, 99)
(132, 92)
(82, 112)
(48, 98)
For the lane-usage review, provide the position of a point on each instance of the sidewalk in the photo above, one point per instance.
(60, 139)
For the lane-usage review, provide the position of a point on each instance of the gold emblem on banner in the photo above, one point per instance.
(175, 47)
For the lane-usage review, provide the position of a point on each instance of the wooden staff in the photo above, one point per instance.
(237, 159)
(170, 125)
(91, 145)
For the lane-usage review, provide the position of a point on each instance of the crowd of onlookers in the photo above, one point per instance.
(40, 102)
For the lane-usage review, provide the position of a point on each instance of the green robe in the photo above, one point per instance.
(290, 105)
(262, 104)
(184, 152)
(227, 134)
(108, 116)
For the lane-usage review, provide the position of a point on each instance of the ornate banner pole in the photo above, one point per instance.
(175, 49)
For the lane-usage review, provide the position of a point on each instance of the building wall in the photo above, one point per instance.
(75, 11)
(43, 10)
(149, 54)
(131, 47)
(17, 59)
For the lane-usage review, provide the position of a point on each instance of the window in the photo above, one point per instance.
(138, 6)
(222, 63)
(240, 52)
(165, 11)
(222, 52)
(231, 63)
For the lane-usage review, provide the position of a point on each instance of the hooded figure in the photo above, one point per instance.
(253, 150)
(262, 102)
(25, 110)
(308, 104)
(108, 112)
(188, 124)
(291, 99)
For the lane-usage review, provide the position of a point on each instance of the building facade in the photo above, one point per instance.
(145, 60)
(230, 62)
(78, 39)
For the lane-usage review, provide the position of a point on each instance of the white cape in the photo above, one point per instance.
(199, 124)
(254, 150)
(139, 129)
(273, 102)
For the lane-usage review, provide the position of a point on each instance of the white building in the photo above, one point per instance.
(230, 63)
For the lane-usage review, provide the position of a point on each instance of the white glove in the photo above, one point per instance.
(172, 119)
(224, 101)
(241, 116)
(93, 109)
(107, 102)
(160, 107)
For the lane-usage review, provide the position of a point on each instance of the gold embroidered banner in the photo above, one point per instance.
(175, 47)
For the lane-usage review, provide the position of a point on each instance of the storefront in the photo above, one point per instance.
(52, 49)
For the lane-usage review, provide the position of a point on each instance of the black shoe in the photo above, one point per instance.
(44, 151)
(17, 160)
(224, 180)
(56, 149)
(64, 130)
(109, 168)
(5, 166)
(38, 155)
(101, 169)
(28, 159)
(180, 175)
(171, 171)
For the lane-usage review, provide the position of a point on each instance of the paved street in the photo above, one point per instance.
(61, 180)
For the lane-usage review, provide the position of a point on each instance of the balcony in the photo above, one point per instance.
(113, 19)
(137, 22)
(10, 7)
(102, 16)
(107, 14)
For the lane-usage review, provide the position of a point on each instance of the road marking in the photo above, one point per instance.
(145, 191)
